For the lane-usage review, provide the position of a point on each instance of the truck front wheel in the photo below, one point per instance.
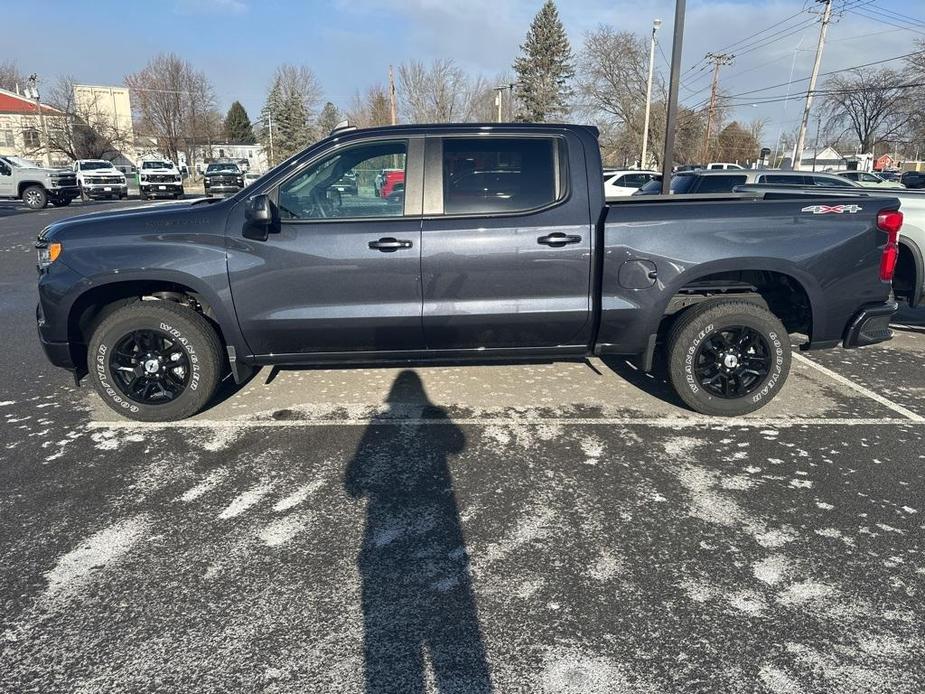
(35, 197)
(155, 361)
(728, 358)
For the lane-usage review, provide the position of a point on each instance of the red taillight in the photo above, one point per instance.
(890, 221)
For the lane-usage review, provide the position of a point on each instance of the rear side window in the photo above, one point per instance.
(786, 179)
(503, 174)
(720, 184)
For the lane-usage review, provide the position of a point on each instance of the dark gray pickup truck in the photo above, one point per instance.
(497, 245)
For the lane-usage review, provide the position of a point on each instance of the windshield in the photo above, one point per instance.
(21, 163)
(156, 165)
(90, 165)
(231, 168)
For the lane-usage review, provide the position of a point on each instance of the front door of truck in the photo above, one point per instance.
(506, 243)
(340, 271)
(7, 189)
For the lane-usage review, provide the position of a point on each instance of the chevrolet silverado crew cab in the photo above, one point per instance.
(98, 178)
(36, 186)
(159, 178)
(501, 247)
(222, 178)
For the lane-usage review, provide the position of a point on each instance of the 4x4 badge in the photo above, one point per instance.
(832, 209)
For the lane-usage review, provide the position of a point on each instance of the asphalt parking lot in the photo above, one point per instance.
(544, 528)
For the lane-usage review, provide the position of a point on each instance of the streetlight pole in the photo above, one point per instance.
(645, 128)
(34, 87)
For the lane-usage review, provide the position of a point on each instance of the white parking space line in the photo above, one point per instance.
(866, 392)
(660, 422)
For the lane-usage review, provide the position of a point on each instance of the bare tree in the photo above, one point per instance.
(371, 108)
(11, 76)
(868, 103)
(612, 91)
(86, 129)
(175, 104)
(439, 93)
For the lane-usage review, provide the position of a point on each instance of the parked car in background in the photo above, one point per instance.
(98, 178)
(913, 179)
(159, 178)
(386, 180)
(250, 177)
(722, 166)
(621, 183)
(869, 180)
(703, 181)
(347, 183)
(520, 257)
(36, 186)
(889, 174)
(222, 178)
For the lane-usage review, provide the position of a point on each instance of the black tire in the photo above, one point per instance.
(62, 202)
(728, 381)
(35, 198)
(183, 331)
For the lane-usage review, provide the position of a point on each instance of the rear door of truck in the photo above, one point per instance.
(506, 242)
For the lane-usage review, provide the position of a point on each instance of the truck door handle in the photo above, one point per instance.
(389, 244)
(558, 239)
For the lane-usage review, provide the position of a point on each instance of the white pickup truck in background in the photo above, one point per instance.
(98, 178)
(159, 178)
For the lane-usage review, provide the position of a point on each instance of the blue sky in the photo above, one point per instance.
(350, 43)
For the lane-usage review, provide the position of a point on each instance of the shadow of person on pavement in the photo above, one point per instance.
(417, 592)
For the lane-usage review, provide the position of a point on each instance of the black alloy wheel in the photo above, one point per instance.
(149, 367)
(733, 361)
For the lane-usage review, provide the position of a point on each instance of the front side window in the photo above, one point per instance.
(363, 181)
(500, 175)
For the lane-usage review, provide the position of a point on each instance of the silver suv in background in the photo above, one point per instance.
(723, 181)
(36, 186)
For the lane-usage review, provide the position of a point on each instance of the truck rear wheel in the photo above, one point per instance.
(728, 358)
(155, 361)
(35, 197)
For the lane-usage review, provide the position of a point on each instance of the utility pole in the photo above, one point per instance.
(818, 128)
(270, 129)
(645, 128)
(499, 100)
(393, 107)
(801, 139)
(718, 60)
(671, 117)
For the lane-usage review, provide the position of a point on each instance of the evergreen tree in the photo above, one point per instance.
(329, 117)
(544, 69)
(237, 126)
(288, 118)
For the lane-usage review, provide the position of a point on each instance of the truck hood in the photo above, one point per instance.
(142, 172)
(112, 171)
(159, 218)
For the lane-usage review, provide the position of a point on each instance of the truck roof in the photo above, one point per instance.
(453, 128)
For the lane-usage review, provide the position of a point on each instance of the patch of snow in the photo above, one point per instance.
(803, 592)
(284, 529)
(245, 500)
(212, 480)
(771, 570)
(298, 496)
(76, 568)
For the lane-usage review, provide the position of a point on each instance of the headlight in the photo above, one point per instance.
(48, 254)
(142, 177)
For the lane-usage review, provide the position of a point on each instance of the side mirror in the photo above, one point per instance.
(258, 216)
(5, 170)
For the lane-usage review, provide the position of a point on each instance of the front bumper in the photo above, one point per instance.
(105, 189)
(221, 189)
(870, 325)
(64, 191)
(58, 353)
(161, 188)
